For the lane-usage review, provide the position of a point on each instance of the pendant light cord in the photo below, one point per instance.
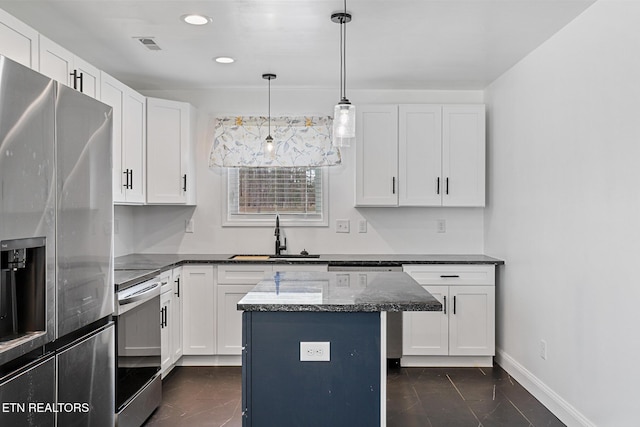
(343, 42)
(269, 107)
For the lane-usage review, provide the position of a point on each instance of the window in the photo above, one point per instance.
(256, 195)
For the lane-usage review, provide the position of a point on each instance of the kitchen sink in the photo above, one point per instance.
(272, 257)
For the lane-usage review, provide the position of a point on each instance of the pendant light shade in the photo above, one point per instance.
(344, 113)
(344, 125)
(269, 146)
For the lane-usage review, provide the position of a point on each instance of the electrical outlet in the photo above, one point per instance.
(315, 351)
(342, 280)
(188, 226)
(362, 226)
(543, 349)
(342, 226)
(441, 226)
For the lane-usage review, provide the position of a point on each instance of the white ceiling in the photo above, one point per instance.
(392, 44)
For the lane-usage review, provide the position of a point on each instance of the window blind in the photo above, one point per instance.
(269, 191)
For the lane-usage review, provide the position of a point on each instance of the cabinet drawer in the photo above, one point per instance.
(300, 267)
(166, 284)
(451, 274)
(242, 274)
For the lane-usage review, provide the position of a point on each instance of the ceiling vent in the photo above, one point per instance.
(149, 43)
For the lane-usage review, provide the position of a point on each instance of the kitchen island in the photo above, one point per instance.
(314, 346)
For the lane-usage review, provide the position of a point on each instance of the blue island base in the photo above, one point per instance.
(280, 390)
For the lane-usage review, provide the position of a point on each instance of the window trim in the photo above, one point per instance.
(268, 220)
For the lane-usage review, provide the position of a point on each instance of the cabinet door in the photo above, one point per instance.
(18, 41)
(189, 157)
(134, 144)
(112, 93)
(55, 61)
(420, 155)
(463, 155)
(166, 320)
(90, 76)
(198, 310)
(377, 155)
(230, 318)
(176, 323)
(472, 320)
(426, 333)
(167, 144)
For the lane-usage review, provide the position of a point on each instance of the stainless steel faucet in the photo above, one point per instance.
(279, 247)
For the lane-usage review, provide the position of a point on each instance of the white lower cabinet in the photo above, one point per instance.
(463, 334)
(229, 336)
(233, 282)
(176, 329)
(198, 310)
(166, 317)
(170, 320)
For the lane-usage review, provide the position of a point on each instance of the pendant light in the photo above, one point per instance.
(269, 145)
(344, 113)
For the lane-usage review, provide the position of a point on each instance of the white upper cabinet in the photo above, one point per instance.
(129, 140)
(420, 155)
(18, 41)
(377, 155)
(63, 66)
(25, 45)
(170, 152)
(463, 155)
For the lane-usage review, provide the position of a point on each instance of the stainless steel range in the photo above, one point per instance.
(138, 382)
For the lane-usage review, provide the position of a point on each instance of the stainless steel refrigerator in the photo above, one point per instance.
(56, 213)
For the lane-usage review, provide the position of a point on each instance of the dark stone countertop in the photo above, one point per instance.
(127, 265)
(339, 292)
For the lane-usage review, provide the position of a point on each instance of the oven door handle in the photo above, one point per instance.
(146, 293)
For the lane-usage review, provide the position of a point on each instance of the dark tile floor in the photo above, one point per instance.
(425, 397)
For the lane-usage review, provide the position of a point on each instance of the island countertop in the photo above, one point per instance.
(339, 292)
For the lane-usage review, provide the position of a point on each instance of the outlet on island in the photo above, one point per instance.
(315, 351)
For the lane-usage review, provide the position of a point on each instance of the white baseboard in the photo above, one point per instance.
(219, 360)
(549, 398)
(446, 361)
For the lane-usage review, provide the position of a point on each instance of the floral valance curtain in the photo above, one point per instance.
(299, 142)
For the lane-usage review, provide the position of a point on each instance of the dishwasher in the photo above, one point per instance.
(394, 318)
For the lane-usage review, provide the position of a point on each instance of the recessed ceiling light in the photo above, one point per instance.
(224, 60)
(194, 19)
